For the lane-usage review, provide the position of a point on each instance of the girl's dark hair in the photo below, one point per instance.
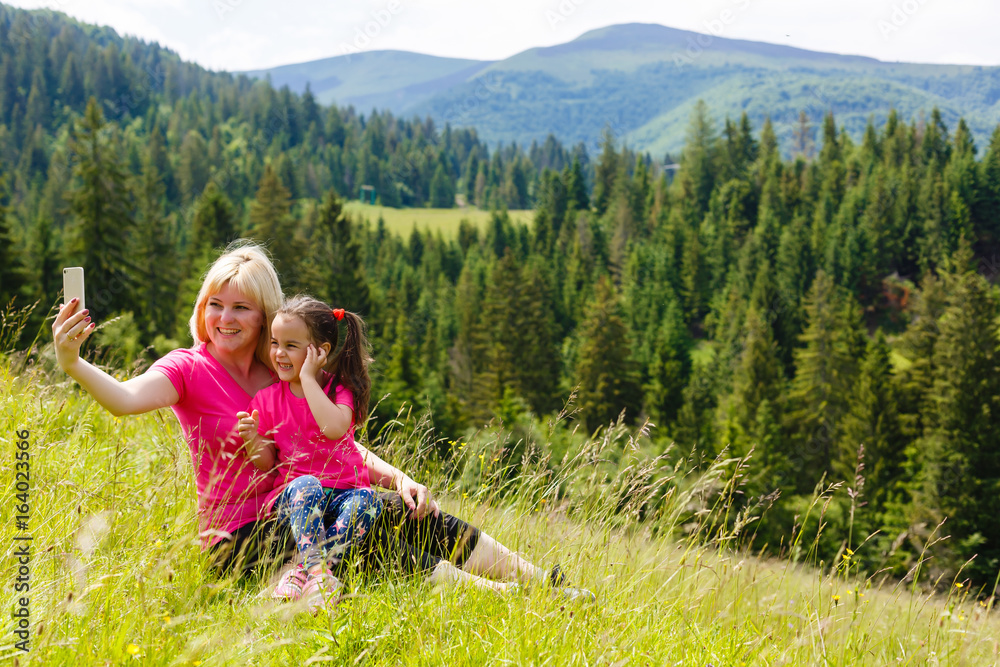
(349, 364)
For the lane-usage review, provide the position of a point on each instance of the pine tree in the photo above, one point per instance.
(100, 203)
(670, 367)
(700, 158)
(576, 187)
(605, 375)
(442, 194)
(962, 468)
(214, 223)
(606, 172)
(336, 256)
(802, 137)
(754, 410)
(825, 371)
(470, 351)
(13, 277)
(156, 251)
(401, 376)
(538, 371)
(272, 223)
(872, 421)
(192, 169)
(988, 227)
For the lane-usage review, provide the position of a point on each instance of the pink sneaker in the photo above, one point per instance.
(321, 591)
(291, 584)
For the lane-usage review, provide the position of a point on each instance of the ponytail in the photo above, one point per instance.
(350, 365)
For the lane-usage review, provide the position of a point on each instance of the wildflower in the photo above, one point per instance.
(846, 556)
(849, 552)
(196, 663)
(166, 620)
(836, 599)
(959, 584)
(133, 651)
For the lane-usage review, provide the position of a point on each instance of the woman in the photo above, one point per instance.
(208, 384)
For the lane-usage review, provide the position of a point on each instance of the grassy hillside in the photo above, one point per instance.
(642, 80)
(117, 577)
(401, 221)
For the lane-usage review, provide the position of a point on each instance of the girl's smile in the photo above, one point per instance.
(290, 342)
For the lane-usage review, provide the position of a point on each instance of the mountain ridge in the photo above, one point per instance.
(641, 80)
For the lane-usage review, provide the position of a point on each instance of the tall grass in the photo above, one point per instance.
(117, 575)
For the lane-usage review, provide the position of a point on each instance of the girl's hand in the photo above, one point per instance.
(315, 360)
(69, 330)
(247, 425)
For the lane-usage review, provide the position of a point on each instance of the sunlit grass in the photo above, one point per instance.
(118, 578)
(401, 221)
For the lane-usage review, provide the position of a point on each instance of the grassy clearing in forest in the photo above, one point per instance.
(400, 221)
(117, 576)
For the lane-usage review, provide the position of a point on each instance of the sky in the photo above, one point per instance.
(256, 34)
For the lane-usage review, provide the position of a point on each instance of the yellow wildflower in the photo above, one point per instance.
(133, 651)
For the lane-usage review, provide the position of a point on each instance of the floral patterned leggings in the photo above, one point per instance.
(326, 523)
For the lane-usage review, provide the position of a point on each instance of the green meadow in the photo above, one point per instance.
(401, 221)
(117, 576)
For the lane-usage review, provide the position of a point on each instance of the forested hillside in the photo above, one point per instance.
(644, 80)
(832, 314)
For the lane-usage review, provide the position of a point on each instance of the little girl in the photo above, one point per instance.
(305, 424)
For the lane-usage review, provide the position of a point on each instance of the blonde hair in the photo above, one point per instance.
(246, 266)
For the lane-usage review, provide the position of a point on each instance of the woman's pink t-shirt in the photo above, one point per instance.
(302, 447)
(231, 490)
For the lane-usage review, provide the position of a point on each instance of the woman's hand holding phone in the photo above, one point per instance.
(71, 327)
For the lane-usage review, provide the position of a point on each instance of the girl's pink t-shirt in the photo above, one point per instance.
(302, 447)
(231, 490)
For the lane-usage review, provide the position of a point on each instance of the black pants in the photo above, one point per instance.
(411, 546)
(395, 543)
(257, 546)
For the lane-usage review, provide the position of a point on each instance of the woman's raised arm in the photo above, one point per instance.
(149, 391)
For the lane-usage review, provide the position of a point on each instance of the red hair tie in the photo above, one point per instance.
(338, 313)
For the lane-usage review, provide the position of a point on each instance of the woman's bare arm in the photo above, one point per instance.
(149, 391)
(416, 496)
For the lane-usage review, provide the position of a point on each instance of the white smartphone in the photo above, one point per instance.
(73, 285)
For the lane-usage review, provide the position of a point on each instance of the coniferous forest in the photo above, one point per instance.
(831, 314)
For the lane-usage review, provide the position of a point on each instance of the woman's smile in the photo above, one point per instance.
(233, 320)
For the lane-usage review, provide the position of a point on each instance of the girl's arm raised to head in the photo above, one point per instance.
(149, 391)
(333, 419)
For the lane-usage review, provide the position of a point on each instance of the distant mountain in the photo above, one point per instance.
(396, 80)
(642, 80)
